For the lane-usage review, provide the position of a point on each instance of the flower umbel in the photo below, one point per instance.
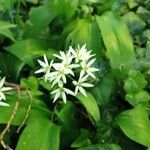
(73, 63)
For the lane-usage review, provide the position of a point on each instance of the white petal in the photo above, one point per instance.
(45, 59)
(6, 89)
(64, 97)
(57, 56)
(51, 63)
(40, 71)
(74, 66)
(82, 91)
(87, 85)
(84, 78)
(69, 91)
(41, 63)
(93, 69)
(2, 96)
(81, 74)
(64, 79)
(56, 96)
(91, 74)
(55, 91)
(4, 104)
(91, 62)
(76, 90)
(2, 82)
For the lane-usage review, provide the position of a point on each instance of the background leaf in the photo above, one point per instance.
(90, 105)
(135, 124)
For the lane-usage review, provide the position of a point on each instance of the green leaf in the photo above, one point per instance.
(135, 82)
(90, 105)
(117, 41)
(39, 18)
(68, 122)
(6, 112)
(5, 29)
(135, 124)
(39, 134)
(85, 31)
(103, 90)
(9, 69)
(136, 98)
(134, 23)
(83, 140)
(102, 147)
(64, 8)
(29, 49)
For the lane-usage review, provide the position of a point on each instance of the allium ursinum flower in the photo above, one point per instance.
(82, 82)
(86, 68)
(81, 54)
(64, 68)
(61, 92)
(46, 67)
(2, 90)
(69, 64)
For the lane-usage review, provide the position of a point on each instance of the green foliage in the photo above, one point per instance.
(91, 106)
(120, 54)
(115, 113)
(135, 124)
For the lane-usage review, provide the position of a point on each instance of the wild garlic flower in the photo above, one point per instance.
(2, 90)
(46, 67)
(63, 74)
(61, 92)
(81, 54)
(86, 68)
(82, 82)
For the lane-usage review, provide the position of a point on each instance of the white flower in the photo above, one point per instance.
(80, 84)
(62, 69)
(3, 89)
(46, 67)
(86, 68)
(61, 92)
(81, 53)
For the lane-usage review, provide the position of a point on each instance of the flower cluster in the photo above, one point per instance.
(2, 90)
(75, 63)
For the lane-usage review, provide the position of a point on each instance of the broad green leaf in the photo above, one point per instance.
(5, 29)
(134, 23)
(90, 105)
(85, 32)
(103, 90)
(118, 43)
(40, 133)
(37, 105)
(9, 69)
(83, 140)
(102, 147)
(6, 112)
(29, 49)
(68, 122)
(135, 82)
(136, 98)
(64, 8)
(39, 18)
(135, 124)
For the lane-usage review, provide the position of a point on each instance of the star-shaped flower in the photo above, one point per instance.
(82, 82)
(86, 68)
(45, 67)
(61, 92)
(81, 54)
